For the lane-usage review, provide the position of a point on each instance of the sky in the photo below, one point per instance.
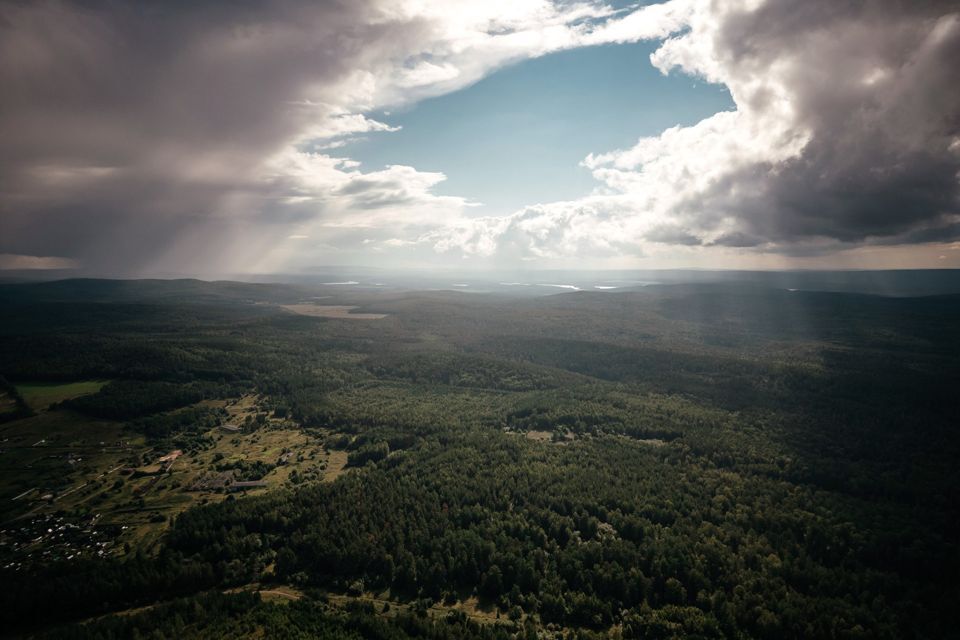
(249, 137)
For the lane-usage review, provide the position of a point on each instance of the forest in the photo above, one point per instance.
(682, 461)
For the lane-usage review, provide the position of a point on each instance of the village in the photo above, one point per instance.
(51, 537)
(116, 493)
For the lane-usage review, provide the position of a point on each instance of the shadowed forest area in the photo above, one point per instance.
(714, 460)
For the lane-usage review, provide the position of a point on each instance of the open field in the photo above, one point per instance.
(332, 311)
(336, 463)
(7, 402)
(388, 606)
(40, 395)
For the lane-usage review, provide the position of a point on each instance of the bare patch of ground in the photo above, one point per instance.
(282, 593)
(335, 465)
(547, 437)
(653, 442)
(539, 436)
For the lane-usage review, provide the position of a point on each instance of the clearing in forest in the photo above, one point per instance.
(332, 311)
(40, 395)
(336, 464)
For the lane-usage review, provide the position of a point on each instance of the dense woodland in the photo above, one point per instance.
(710, 461)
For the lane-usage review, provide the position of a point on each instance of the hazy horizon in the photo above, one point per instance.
(541, 282)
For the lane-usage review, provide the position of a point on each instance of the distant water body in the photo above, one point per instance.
(884, 283)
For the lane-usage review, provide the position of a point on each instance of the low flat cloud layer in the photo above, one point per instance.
(143, 137)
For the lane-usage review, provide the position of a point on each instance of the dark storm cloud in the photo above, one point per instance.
(672, 234)
(127, 125)
(737, 239)
(875, 85)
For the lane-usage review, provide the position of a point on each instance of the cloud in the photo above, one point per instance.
(846, 132)
(134, 134)
(671, 234)
(13, 261)
(336, 192)
(558, 230)
(344, 124)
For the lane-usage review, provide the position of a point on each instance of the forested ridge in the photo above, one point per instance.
(672, 463)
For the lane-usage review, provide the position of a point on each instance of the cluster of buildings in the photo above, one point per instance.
(51, 537)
